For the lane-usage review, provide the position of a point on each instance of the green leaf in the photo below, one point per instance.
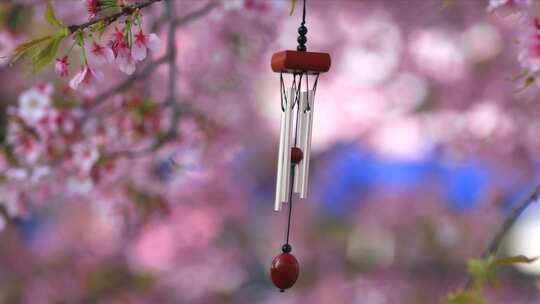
(50, 16)
(293, 5)
(47, 54)
(484, 271)
(518, 259)
(29, 47)
(465, 297)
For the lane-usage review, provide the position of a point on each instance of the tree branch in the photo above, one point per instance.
(126, 84)
(170, 58)
(151, 67)
(171, 50)
(186, 19)
(195, 14)
(126, 10)
(510, 220)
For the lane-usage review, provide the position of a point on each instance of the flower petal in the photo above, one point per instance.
(77, 79)
(109, 55)
(138, 51)
(153, 42)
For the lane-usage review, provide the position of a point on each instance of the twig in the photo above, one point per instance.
(494, 245)
(126, 84)
(171, 50)
(195, 14)
(183, 20)
(126, 10)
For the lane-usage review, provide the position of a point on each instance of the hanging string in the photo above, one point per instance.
(304, 14)
(302, 40)
(302, 30)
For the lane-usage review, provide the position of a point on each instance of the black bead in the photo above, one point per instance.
(301, 48)
(302, 39)
(302, 30)
(286, 248)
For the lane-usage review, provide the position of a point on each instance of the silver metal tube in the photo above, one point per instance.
(286, 170)
(301, 122)
(279, 175)
(308, 121)
(284, 159)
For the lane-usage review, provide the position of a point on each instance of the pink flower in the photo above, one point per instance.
(122, 52)
(33, 105)
(100, 54)
(61, 66)
(142, 43)
(85, 80)
(507, 7)
(92, 6)
(116, 40)
(8, 43)
(124, 60)
(529, 44)
(85, 156)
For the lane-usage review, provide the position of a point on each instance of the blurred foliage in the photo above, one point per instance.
(43, 50)
(483, 272)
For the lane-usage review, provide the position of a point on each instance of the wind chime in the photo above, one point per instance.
(297, 105)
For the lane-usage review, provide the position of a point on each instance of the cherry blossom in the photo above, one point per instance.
(122, 52)
(92, 7)
(529, 44)
(8, 43)
(125, 61)
(85, 156)
(33, 105)
(86, 80)
(61, 66)
(100, 54)
(142, 43)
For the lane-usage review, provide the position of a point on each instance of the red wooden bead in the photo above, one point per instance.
(284, 271)
(296, 155)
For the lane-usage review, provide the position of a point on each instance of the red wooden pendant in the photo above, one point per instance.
(296, 155)
(284, 271)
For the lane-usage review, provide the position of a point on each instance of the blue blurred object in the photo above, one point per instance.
(351, 173)
(465, 185)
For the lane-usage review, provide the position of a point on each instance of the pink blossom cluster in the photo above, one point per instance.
(528, 35)
(47, 138)
(118, 51)
(125, 48)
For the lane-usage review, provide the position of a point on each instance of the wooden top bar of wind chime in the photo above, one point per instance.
(300, 62)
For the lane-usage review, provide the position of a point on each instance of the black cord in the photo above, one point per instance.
(302, 30)
(304, 14)
(291, 184)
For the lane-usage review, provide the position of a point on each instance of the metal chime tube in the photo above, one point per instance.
(284, 157)
(307, 128)
(299, 173)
